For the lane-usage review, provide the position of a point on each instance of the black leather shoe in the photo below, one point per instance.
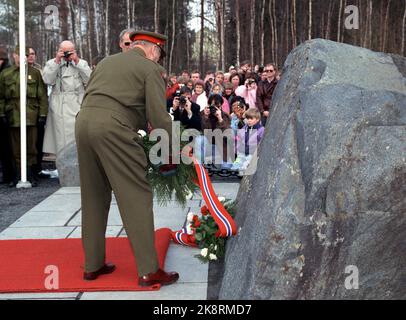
(160, 277)
(106, 269)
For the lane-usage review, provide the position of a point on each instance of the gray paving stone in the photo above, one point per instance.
(227, 190)
(51, 218)
(181, 291)
(175, 204)
(114, 217)
(68, 190)
(182, 260)
(36, 233)
(60, 202)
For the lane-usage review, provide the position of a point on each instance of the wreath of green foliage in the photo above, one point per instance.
(180, 184)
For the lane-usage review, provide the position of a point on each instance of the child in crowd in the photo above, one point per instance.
(237, 117)
(248, 139)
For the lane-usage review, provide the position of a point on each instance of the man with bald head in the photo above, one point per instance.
(68, 75)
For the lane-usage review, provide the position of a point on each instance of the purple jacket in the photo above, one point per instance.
(248, 138)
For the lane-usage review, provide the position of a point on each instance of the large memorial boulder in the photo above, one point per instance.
(68, 166)
(324, 215)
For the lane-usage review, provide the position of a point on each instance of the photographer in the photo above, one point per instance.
(186, 111)
(68, 75)
(214, 118)
(248, 91)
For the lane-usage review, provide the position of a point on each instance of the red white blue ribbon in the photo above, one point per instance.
(225, 222)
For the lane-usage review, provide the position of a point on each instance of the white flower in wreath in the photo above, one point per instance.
(142, 133)
(190, 216)
(204, 252)
(222, 199)
(212, 256)
(189, 230)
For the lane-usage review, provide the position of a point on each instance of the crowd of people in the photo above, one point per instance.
(238, 99)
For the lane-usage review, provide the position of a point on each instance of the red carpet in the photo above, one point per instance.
(23, 264)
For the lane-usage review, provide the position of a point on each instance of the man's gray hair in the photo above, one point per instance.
(141, 43)
(130, 30)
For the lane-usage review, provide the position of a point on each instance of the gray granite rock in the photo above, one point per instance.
(330, 187)
(68, 166)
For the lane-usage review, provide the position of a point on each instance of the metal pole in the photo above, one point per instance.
(23, 98)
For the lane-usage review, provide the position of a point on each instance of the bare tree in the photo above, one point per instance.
(385, 27)
(293, 24)
(173, 34)
(310, 19)
(96, 25)
(156, 16)
(238, 31)
(106, 30)
(262, 34)
(90, 29)
(252, 30)
(128, 14)
(219, 6)
(274, 31)
(329, 15)
(403, 32)
(201, 56)
(340, 11)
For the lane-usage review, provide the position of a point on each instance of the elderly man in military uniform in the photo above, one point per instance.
(124, 94)
(37, 109)
(68, 75)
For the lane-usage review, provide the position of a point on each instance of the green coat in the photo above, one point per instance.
(138, 87)
(37, 99)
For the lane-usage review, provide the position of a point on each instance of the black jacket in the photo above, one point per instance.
(194, 122)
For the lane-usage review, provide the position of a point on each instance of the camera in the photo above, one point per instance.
(182, 100)
(213, 110)
(67, 54)
(177, 94)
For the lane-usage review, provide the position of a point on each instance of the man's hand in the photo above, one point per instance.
(188, 107)
(175, 103)
(266, 114)
(59, 56)
(74, 57)
(219, 115)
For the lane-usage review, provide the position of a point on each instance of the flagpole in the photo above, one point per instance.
(23, 97)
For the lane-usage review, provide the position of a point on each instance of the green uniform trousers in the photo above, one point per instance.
(31, 145)
(111, 157)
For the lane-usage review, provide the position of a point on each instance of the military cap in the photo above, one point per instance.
(152, 37)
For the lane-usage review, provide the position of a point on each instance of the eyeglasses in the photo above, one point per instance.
(269, 70)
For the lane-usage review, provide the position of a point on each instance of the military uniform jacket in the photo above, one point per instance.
(131, 81)
(37, 100)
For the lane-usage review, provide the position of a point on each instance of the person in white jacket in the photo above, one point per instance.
(68, 76)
